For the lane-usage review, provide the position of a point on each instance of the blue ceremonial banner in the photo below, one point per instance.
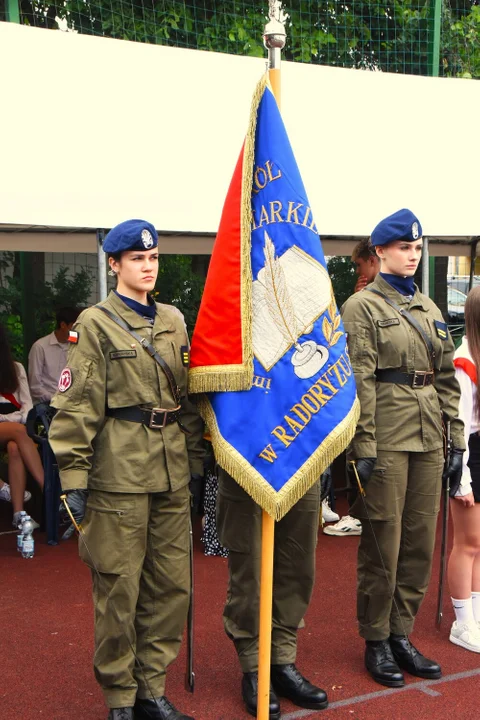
(300, 410)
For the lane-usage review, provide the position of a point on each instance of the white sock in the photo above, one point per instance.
(463, 610)
(476, 606)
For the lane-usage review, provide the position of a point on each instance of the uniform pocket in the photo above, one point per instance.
(380, 500)
(237, 517)
(109, 529)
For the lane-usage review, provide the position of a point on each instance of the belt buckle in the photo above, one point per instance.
(420, 374)
(154, 425)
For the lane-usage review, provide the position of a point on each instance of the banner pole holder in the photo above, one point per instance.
(274, 40)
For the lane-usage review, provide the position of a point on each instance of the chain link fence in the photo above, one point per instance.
(402, 36)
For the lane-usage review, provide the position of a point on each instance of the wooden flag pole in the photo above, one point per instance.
(265, 632)
(274, 39)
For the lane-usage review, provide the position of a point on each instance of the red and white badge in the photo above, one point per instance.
(66, 380)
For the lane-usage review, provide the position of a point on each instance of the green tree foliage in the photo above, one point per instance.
(178, 284)
(63, 291)
(391, 35)
(343, 277)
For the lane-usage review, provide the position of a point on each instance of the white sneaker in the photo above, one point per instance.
(6, 495)
(346, 526)
(466, 635)
(327, 513)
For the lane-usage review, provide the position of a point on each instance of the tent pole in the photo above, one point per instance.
(102, 266)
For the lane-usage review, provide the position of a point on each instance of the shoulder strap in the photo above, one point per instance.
(410, 319)
(149, 348)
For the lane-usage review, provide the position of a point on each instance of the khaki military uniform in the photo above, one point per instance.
(239, 521)
(137, 520)
(401, 426)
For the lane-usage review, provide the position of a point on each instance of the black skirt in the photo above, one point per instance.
(474, 464)
(209, 538)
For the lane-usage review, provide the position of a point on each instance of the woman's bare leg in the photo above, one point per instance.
(17, 476)
(464, 561)
(27, 448)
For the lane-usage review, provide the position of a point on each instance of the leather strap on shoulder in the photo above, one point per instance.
(150, 350)
(410, 319)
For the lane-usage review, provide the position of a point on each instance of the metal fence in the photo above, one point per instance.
(429, 37)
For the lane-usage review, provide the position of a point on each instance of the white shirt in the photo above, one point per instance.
(22, 395)
(468, 412)
(46, 360)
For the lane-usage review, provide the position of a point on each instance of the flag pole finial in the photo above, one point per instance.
(274, 34)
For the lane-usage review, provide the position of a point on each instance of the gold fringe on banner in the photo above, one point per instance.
(277, 504)
(231, 378)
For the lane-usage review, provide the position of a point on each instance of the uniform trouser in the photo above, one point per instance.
(402, 499)
(140, 546)
(239, 522)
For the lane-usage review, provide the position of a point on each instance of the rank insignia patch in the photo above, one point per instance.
(442, 330)
(185, 354)
(73, 337)
(66, 380)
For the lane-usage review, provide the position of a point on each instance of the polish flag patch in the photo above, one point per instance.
(73, 337)
(66, 380)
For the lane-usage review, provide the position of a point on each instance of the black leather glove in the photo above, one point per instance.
(325, 483)
(365, 467)
(77, 502)
(452, 473)
(196, 490)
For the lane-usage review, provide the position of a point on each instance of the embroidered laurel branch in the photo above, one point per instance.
(279, 303)
(330, 328)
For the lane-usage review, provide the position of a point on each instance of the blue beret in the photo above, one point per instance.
(131, 235)
(402, 225)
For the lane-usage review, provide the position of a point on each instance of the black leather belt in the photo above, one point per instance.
(417, 379)
(155, 418)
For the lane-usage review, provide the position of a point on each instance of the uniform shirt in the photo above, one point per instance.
(46, 360)
(393, 416)
(22, 395)
(109, 368)
(468, 411)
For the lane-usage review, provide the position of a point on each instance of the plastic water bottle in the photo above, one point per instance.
(20, 522)
(28, 547)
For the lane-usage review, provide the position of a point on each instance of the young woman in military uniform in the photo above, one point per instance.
(402, 357)
(125, 432)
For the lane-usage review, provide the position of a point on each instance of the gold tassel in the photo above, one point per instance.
(277, 504)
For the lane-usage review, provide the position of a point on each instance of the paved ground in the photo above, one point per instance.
(46, 644)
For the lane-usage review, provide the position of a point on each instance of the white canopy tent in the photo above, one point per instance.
(97, 130)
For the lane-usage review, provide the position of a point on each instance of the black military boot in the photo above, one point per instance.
(288, 682)
(409, 659)
(381, 664)
(125, 713)
(250, 696)
(158, 709)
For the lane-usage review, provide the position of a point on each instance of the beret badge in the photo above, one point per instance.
(147, 239)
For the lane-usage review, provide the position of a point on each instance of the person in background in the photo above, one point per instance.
(402, 358)
(48, 357)
(15, 404)
(128, 441)
(367, 263)
(464, 561)
(367, 266)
